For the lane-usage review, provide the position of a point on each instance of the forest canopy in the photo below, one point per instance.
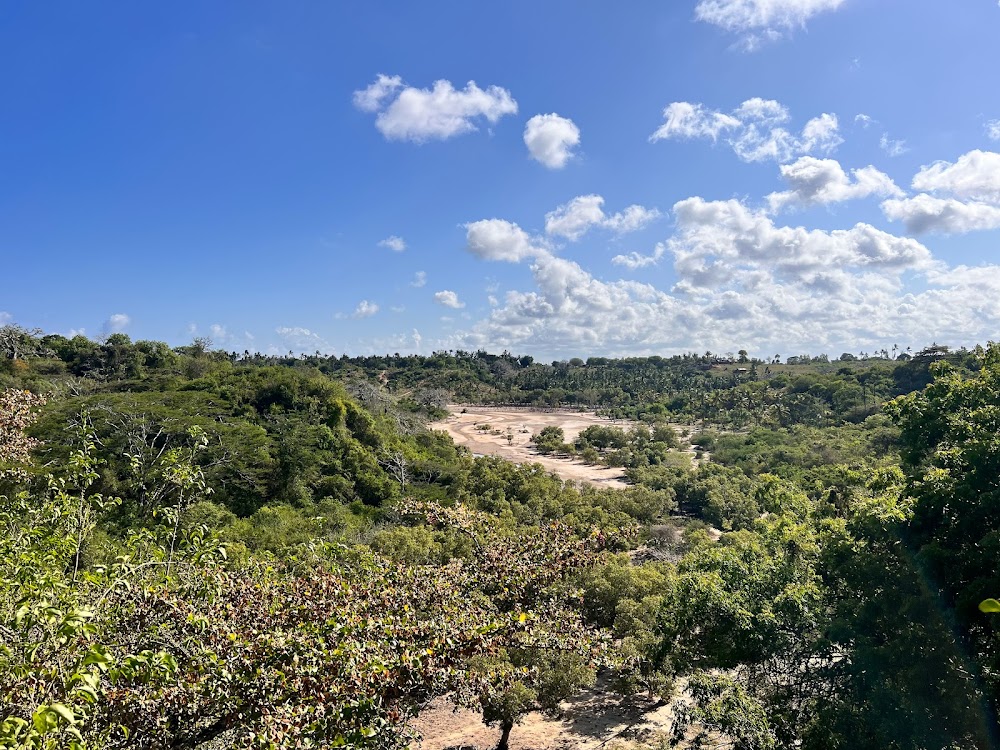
(272, 552)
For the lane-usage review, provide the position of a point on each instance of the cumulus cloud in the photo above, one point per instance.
(574, 219)
(365, 309)
(220, 336)
(687, 120)
(371, 98)
(406, 113)
(634, 260)
(757, 21)
(925, 213)
(632, 219)
(394, 243)
(218, 333)
(116, 323)
(822, 181)
(496, 239)
(763, 111)
(551, 139)
(993, 130)
(6, 317)
(973, 176)
(958, 197)
(760, 142)
(754, 130)
(448, 298)
(743, 280)
(892, 147)
(300, 340)
(419, 279)
(715, 239)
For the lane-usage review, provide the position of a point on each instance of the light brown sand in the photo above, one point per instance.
(523, 423)
(596, 718)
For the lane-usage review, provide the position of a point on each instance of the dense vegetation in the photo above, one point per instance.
(276, 552)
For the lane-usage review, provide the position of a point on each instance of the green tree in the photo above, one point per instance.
(950, 440)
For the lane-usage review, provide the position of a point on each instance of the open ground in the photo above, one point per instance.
(597, 718)
(465, 425)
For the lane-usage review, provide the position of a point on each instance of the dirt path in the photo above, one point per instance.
(523, 423)
(591, 721)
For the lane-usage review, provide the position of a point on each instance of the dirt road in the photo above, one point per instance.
(465, 427)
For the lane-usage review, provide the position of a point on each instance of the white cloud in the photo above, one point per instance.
(764, 111)
(892, 147)
(993, 130)
(973, 176)
(6, 317)
(632, 219)
(394, 243)
(715, 239)
(863, 120)
(925, 213)
(448, 298)
(958, 197)
(687, 120)
(365, 309)
(742, 280)
(551, 139)
(221, 336)
(754, 129)
(573, 219)
(823, 181)
(757, 21)
(496, 239)
(116, 323)
(634, 260)
(300, 340)
(371, 98)
(406, 113)
(419, 279)
(820, 134)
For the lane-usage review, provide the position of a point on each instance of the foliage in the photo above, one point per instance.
(169, 647)
(17, 410)
(294, 554)
(950, 437)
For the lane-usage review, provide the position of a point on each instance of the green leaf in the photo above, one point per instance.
(989, 605)
(64, 712)
(98, 655)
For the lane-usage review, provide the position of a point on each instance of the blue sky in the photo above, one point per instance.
(622, 178)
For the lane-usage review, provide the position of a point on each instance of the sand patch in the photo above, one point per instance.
(463, 424)
(594, 719)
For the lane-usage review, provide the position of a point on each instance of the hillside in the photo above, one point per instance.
(201, 548)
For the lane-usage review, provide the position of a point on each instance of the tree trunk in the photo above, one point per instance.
(506, 726)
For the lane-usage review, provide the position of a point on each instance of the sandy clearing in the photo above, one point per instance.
(523, 423)
(589, 721)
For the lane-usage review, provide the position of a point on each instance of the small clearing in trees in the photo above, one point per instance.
(597, 718)
(463, 426)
